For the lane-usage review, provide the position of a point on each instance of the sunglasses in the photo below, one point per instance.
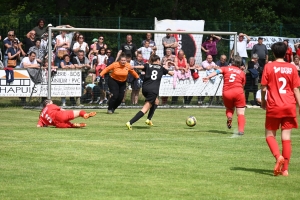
(11, 35)
(101, 38)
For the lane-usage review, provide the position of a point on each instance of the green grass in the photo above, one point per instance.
(166, 161)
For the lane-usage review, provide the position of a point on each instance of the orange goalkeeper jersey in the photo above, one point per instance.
(119, 72)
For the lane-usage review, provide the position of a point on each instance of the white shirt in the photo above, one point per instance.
(61, 40)
(241, 48)
(146, 52)
(258, 94)
(83, 47)
(101, 59)
(26, 60)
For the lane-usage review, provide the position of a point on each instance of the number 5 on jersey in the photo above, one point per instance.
(232, 77)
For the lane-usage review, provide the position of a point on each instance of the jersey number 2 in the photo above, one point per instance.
(281, 89)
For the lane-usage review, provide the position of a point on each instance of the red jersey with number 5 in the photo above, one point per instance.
(280, 78)
(47, 116)
(234, 79)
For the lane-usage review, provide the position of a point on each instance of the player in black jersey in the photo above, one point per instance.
(150, 89)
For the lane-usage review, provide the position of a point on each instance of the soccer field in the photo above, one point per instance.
(167, 161)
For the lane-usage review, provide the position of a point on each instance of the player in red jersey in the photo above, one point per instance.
(233, 91)
(55, 116)
(281, 80)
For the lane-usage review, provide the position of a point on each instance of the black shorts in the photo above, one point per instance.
(149, 96)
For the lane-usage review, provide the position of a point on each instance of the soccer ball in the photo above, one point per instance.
(191, 121)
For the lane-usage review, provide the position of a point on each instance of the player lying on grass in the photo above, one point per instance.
(53, 115)
(233, 91)
(281, 81)
(150, 89)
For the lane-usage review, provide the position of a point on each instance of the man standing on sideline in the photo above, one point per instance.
(151, 42)
(127, 48)
(281, 81)
(261, 50)
(241, 45)
(169, 42)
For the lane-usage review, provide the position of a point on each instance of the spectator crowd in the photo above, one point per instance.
(72, 51)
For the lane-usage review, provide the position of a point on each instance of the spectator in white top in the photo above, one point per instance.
(101, 63)
(242, 42)
(81, 45)
(62, 44)
(146, 51)
(30, 61)
(257, 101)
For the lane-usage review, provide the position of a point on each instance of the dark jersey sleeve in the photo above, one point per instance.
(165, 71)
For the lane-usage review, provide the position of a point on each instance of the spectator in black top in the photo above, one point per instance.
(252, 77)
(127, 48)
(27, 42)
(222, 62)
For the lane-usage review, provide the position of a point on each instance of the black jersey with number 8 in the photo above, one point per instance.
(153, 74)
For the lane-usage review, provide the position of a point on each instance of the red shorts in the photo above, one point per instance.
(62, 119)
(232, 100)
(64, 116)
(285, 122)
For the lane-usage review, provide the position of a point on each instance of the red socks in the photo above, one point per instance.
(229, 113)
(81, 113)
(286, 153)
(241, 123)
(273, 146)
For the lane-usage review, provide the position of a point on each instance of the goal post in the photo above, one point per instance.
(133, 33)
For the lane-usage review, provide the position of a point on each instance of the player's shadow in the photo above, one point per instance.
(218, 131)
(258, 171)
(141, 127)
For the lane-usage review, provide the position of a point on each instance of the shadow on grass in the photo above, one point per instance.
(258, 171)
(141, 127)
(218, 131)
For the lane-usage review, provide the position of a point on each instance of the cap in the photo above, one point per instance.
(260, 38)
(95, 40)
(49, 25)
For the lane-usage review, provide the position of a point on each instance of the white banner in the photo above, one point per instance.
(189, 43)
(268, 41)
(171, 86)
(66, 83)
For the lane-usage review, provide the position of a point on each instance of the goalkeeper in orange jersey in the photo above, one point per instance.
(53, 115)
